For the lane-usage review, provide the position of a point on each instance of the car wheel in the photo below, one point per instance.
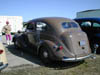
(45, 55)
(16, 45)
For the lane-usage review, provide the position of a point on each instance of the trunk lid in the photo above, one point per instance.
(76, 42)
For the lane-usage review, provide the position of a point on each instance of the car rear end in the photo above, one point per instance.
(3, 59)
(74, 44)
(77, 44)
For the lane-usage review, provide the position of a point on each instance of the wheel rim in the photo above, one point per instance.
(45, 54)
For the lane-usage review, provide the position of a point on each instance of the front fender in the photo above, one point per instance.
(14, 38)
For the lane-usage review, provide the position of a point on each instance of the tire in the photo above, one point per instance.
(45, 55)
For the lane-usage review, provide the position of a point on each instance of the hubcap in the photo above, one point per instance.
(45, 54)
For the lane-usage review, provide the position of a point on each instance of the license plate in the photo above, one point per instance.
(82, 43)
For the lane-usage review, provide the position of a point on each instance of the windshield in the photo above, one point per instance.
(69, 25)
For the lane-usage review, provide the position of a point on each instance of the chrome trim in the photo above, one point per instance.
(3, 66)
(77, 59)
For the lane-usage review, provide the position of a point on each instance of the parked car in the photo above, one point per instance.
(54, 38)
(3, 59)
(92, 27)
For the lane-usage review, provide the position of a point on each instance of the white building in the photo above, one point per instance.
(89, 13)
(16, 22)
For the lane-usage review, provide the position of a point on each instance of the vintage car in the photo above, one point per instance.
(92, 27)
(3, 59)
(54, 38)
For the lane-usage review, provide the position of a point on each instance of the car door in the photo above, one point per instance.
(30, 32)
(40, 30)
(44, 31)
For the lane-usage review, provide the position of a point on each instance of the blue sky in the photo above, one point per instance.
(31, 9)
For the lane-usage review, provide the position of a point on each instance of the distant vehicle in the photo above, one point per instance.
(3, 59)
(92, 27)
(54, 38)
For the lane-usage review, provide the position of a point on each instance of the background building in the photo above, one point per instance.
(16, 22)
(88, 13)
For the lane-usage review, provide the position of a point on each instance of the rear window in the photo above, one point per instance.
(69, 25)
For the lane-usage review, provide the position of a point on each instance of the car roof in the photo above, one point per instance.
(91, 19)
(50, 18)
(55, 21)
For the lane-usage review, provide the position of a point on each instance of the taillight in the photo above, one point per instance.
(1, 51)
(60, 47)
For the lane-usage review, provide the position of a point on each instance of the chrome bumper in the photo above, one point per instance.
(3, 66)
(76, 59)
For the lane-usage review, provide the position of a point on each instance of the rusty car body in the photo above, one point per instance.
(54, 38)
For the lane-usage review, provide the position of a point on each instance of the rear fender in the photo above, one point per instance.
(46, 43)
(54, 54)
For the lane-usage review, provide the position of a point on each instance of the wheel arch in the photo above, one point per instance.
(46, 43)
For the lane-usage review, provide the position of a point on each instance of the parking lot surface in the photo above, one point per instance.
(17, 58)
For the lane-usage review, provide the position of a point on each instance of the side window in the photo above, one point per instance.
(86, 24)
(41, 26)
(96, 24)
(31, 26)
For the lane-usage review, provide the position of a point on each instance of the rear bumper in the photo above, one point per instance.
(2, 66)
(66, 59)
